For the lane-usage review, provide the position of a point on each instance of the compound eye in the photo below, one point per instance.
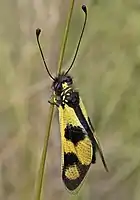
(68, 80)
(58, 86)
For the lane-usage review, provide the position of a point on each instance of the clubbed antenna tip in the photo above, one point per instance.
(84, 8)
(38, 31)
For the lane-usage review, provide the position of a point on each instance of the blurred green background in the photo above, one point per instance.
(107, 74)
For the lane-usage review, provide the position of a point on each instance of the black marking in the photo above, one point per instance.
(74, 133)
(72, 184)
(86, 126)
(70, 159)
(89, 121)
(93, 146)
(83, 121)
(73, 99)
(94, 154)
(59, 80)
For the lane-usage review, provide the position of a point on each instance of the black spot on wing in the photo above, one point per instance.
(71, 159)
(74, 133)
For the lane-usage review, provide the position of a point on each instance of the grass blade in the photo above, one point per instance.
(39, 181)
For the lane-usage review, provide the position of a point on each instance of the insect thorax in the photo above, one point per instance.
(64, 92)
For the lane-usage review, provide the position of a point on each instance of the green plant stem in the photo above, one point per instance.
(64, 41)
(44, 153)
(39, 182)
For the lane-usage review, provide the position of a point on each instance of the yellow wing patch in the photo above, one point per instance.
(84, 151)
(72, 173)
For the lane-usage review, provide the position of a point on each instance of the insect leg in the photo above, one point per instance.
(52, 100)
(53, 103)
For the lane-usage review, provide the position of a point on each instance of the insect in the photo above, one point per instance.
(78, 138)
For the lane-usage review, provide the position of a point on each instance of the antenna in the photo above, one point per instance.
(84, 8)
(38, 31)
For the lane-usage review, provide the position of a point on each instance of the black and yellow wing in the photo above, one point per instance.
(78, 145)
(77, 148)
(77, 151)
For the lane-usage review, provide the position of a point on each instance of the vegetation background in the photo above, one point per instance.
(106, 72)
